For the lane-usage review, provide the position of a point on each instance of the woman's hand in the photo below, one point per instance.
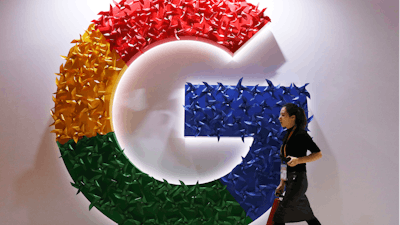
(294, 161)
(279, 189)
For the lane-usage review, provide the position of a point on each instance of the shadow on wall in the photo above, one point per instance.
(323, 179)
(259, 58)
(44, 190)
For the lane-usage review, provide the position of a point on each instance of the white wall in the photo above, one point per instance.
(347, 50)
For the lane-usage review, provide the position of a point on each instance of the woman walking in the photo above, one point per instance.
(295, 206)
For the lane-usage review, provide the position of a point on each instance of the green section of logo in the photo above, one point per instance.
(105, 176)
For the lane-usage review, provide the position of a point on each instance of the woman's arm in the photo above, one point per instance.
(310, 158)
(310, 145)
(294, 161)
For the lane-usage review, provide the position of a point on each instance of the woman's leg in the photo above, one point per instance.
(313, 222)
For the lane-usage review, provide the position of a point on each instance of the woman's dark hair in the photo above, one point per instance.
(301, 119)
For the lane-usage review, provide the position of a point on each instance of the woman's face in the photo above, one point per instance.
(286, 120)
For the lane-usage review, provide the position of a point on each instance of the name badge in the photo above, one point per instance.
(283, 172)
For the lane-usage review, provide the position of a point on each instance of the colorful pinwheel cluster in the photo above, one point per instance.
(132, 24)
(240, 111)
(84, 89)
(126, 195)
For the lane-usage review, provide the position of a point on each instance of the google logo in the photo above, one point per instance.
(83, 120)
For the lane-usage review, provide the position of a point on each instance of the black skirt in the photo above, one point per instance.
(295, 206)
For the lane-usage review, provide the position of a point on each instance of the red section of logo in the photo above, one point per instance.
(132, 25)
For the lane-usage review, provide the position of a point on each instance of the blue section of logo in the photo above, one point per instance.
(245, 111)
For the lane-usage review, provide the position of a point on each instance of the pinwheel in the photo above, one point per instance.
(257, 157)
(244, 106)
(256, 122)
(271, 89)
(262, 190)
(220, 120)
(233, 178)
(191, 109)
(222, 89)
(243, 166)
(210, 103)
(236, 120)
(208, 90)
(281, 102)
(196, 130)
(191, 88)
(286, 90)
(242, 195)
(227, 101)
(302, 90)
(254, 92)
(240, 88)
(216, 132)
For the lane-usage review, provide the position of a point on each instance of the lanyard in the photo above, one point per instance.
(284, 148)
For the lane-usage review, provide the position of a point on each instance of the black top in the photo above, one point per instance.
(297, 146)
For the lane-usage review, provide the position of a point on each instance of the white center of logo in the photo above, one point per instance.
(148, 113)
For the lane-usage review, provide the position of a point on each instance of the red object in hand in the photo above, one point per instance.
(273, 209)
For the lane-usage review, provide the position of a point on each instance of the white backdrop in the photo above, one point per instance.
(347, 50)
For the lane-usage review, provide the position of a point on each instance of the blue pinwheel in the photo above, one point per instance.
(222, 88)
(286, 90)
(254, 92)
(192, 88)
(240, 88)
(233, 178)
(264, 105)
(281, 102)
(302, 90)
(210, 103)
(227, 101)
(244, 106)
(271, 89)
(208, 90)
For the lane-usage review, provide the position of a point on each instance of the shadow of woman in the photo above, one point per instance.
(323, 177)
